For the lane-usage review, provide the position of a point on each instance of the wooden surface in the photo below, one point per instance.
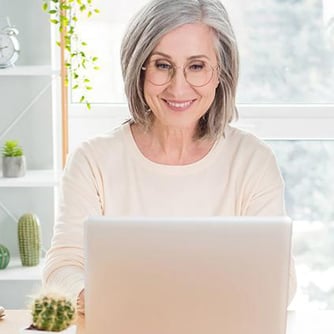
(310, 322)
(15, 320)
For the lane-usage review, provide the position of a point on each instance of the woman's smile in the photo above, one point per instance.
(179, 105)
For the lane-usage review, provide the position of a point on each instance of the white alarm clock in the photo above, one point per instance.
(9, 46)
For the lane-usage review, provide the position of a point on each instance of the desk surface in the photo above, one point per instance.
(299, 322)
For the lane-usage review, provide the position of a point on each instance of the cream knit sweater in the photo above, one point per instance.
(108, 175)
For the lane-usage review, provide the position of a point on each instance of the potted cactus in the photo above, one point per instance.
(13, 159)
(52, 313)
(4, 257)
(29, 237)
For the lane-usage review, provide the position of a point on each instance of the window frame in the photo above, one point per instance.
(266, 121)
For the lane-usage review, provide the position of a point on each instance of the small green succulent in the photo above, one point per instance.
(12, 148)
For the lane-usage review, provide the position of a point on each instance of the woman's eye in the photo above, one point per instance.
(196, 67)
(163, 66)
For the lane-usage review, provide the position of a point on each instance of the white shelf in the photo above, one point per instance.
(33, 178)
(43, 70)
(15, 271)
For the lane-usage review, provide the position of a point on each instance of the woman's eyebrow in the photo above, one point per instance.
(158, 53)
(198, 56)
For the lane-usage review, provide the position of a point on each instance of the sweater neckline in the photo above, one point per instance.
(144, 161)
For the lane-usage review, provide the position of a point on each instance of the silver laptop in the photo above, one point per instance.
(187, 275)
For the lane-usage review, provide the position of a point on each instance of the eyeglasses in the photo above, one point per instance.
(197, 73)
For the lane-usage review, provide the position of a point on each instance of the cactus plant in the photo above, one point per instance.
(52, 312)
(4, 257)
(29, 239)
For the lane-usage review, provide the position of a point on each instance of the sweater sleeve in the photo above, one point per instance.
(81, 195)
(265, 193)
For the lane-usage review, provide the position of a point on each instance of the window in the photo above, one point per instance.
(307, 168)
(285, 95)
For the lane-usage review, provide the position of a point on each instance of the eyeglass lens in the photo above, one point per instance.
(197, 73)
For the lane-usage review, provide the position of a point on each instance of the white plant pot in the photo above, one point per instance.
(13, 166)
(70, 330)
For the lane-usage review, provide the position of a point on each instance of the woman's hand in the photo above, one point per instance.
(81, 302)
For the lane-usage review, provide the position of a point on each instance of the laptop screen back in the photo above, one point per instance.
(187, 275)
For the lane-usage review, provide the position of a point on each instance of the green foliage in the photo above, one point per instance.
(65, 14)
(52, 312)
(12, 148)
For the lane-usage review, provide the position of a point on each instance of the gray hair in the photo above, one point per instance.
(145, 30)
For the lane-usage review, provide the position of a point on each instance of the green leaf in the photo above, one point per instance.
(82, 99)
(76, 60)
(88, 106)
(11, 148)
(96, 68)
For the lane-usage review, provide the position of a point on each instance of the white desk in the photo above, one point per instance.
(310, 322)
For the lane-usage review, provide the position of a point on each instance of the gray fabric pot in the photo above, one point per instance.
(13, 166)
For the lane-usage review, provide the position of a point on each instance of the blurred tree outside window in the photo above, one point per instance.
(307, 168)
(286, 49)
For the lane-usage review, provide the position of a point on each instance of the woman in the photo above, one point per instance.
(178, 155)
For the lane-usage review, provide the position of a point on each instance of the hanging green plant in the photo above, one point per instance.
(65, 14)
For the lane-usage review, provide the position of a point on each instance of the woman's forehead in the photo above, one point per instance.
(188, 40)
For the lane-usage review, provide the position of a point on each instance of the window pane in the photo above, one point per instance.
(307, 168)
(286, 48)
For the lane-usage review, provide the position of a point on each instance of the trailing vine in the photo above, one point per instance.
(65, 14)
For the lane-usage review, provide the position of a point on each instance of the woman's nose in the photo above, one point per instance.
(179, 80)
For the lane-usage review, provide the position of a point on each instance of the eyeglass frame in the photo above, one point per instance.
(174, 68)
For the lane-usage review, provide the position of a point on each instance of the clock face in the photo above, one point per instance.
(9, 50)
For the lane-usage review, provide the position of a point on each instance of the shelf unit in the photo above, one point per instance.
(30, 113)
(33, 178)
(42, 70)
(16, 272)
